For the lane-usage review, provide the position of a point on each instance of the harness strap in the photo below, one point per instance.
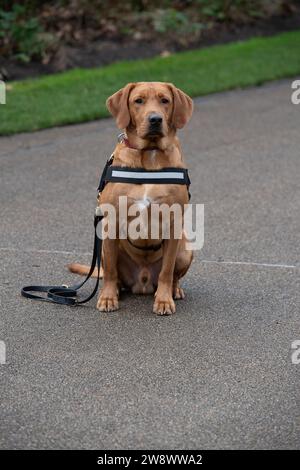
(121, 174)
(102, 182)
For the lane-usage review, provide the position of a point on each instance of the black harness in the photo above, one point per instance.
(66, 295)
(125, 174)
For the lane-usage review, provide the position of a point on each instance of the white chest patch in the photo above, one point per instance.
(153, 155)
(143, 203)
(146, 200)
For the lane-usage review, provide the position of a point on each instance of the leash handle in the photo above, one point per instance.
(63, 294)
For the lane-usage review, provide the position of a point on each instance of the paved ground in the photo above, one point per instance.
(218, 374)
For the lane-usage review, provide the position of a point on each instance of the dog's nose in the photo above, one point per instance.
(155, 119)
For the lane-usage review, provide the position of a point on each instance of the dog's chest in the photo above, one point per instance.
(144, 195)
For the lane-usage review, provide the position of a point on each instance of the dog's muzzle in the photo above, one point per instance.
(155, 125)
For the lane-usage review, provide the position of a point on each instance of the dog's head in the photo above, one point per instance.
(151, 109)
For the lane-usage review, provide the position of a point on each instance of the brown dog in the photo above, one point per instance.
(150, 112)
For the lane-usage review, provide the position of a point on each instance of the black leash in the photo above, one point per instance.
(65, 295)
(68, 295)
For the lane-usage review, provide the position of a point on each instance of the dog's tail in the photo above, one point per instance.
(83, 270)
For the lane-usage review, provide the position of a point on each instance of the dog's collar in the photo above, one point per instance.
(122, 138)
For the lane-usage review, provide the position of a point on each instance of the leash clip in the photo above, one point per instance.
(98, 212)
(98, 216)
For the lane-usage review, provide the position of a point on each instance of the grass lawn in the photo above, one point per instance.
(79, 95)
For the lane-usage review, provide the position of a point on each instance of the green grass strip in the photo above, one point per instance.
(79, 95)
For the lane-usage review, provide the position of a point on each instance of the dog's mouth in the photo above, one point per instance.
(154, 133)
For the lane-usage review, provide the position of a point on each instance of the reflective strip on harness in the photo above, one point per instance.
(146, 175)
(119, 174)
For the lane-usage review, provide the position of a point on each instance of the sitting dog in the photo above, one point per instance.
(150, 113)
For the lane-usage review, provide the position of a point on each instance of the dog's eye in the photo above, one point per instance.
(138, 101)
(164, 100)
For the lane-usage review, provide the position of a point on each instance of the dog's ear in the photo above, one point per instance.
(117, 105)
(182, 107)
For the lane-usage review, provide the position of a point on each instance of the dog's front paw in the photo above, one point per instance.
(164, 306)
(108, 301)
